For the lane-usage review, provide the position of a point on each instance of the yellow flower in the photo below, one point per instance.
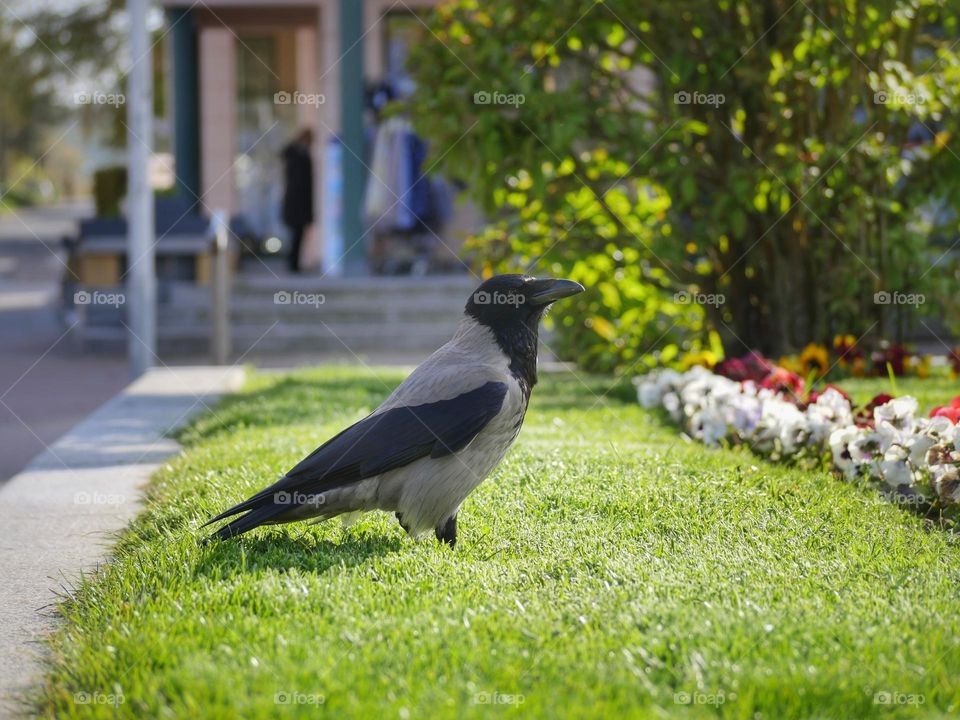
(790, 363)
(920, 365)
(704, 358)
(842, 344)
(859, 367)
(814, 359)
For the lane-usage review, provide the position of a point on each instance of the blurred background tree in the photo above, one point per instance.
(45, 52)
(752, 172)
(26, 111)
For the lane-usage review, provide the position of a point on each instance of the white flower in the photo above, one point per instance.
(840, 440)
(947, 485)
(831, 410)
(895, 468)
(651, 388)
(900, 450)
(709, 426)
(792, 424)
(898, 412)
(671, 403)
(648, 394)
(866, 450)
(917, 446)
(744, 413)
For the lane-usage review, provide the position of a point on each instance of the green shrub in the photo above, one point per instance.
(758, 153)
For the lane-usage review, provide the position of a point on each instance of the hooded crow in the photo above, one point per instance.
(437, 436)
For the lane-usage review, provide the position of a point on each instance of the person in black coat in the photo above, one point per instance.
(298, 192)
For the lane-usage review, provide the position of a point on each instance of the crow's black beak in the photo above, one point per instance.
(550, 290)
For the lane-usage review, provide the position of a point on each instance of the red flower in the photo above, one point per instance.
(864, 416)
(878, 400)
(845, 346)
(894, 355)
(784, 382)
(951, 413)
(752, 366)
(815, 394)
(954, 358)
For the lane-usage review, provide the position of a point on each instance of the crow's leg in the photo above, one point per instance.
(406, 528)
(447, 532)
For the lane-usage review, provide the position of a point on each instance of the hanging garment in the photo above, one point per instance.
(384, 182)
(399, 197)
(417, 213)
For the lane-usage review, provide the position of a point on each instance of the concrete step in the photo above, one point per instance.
(301, 314)
(342, 338)
(306, 283)
(247, 311)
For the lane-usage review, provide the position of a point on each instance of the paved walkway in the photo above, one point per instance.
(58, 516)
(46, 384)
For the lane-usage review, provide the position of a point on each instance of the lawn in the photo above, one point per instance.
(607, 569)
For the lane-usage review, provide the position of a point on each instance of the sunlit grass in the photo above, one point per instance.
(607, 569)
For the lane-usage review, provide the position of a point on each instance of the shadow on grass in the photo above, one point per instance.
(283, 551)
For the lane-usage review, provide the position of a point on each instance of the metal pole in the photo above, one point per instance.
(141, 276)
(220, 289)
(186, 103)
(351, 130)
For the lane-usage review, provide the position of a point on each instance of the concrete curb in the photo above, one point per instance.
(57, 516)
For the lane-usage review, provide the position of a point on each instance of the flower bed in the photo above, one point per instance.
(753, 402)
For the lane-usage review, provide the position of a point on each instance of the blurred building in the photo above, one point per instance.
(245, 76)
(242, 78)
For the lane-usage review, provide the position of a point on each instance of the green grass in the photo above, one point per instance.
(929, 392)
(607, 569)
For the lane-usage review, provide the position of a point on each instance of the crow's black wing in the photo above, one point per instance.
(378, 443)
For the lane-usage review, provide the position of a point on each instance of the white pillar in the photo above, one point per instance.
(141, 285)
(218, 114)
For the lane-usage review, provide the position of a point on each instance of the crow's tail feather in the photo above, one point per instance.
(254, 518)
(253, 503)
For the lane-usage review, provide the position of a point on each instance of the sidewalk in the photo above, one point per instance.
(57, 517)
(48, 386)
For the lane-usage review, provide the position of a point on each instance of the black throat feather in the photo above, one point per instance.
(519, 341)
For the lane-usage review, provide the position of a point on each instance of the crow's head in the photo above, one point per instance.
(510, 299)
(511, 306)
